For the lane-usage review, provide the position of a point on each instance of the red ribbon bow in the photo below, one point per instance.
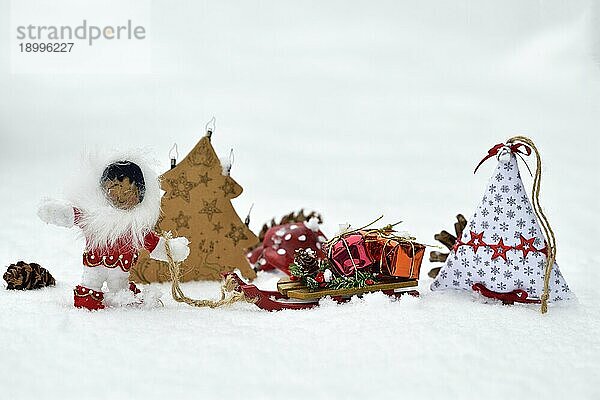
(514, 148)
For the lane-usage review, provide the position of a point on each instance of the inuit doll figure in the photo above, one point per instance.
(116, 205)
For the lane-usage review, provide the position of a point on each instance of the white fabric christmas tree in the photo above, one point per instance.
(502, 247)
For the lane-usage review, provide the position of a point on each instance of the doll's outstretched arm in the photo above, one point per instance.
(158, 250)
(57, 213)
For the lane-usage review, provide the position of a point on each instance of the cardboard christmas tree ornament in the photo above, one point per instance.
(507, 251)
(197, 205)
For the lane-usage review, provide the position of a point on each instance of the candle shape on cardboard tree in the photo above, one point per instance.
(173, 155)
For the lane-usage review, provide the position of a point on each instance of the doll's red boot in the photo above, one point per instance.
(87, 298)
(134, 288)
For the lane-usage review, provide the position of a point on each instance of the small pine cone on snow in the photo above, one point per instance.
(307, 259)
(27, 276)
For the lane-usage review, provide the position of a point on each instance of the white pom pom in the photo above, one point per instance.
(179, 249)
(504, 154)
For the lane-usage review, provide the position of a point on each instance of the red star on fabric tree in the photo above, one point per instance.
(526, 245)
(499, 250)
(457, 244)
(476, 241)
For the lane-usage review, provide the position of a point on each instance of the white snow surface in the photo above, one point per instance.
(354, 109)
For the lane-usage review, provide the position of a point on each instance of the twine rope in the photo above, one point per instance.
(548, 232)
(229, 292)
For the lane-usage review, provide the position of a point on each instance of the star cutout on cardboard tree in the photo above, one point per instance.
(499, 250)
(202, 156)
(227, 187)
(204, 179)
(182, 220)
(181, 187)
(217, 227)
(236, 233)
(209, 208)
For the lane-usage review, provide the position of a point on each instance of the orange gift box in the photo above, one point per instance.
(396, 256)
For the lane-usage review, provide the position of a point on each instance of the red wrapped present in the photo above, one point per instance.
(348, 253)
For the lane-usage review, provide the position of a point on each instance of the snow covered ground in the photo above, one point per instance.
(354, 109)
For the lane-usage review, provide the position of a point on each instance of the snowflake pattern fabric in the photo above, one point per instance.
(502, 246)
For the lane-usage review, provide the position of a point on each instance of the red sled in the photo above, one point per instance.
(508, 298)
(292, 295)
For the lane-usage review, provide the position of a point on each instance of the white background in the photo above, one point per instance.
(354, 109)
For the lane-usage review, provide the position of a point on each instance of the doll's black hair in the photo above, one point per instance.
(125, 169)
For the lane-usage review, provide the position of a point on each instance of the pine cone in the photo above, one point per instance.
(307, 259)
(24, 276)
(448, 240)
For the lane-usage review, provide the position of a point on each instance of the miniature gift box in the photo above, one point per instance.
(396, 256)
(349, 253)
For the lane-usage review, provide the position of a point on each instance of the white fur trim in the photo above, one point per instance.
(179, 249)
(56, 212)
(102, 223)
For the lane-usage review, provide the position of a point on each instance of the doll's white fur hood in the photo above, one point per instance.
(103, 224)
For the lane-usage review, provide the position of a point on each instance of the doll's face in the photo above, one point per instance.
(122, 194)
